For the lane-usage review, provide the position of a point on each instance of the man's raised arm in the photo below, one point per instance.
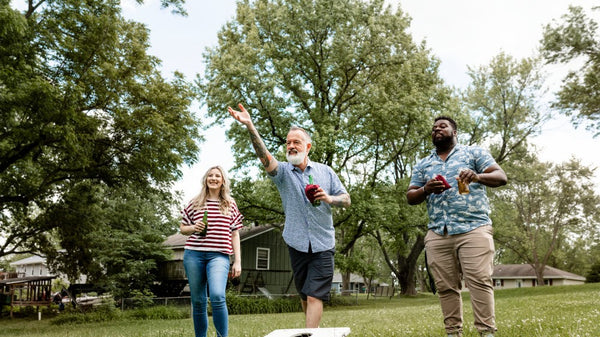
(265, 157)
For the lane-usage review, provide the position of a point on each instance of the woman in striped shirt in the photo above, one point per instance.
(206, 256)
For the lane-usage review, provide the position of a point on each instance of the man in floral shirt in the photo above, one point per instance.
(459, 242)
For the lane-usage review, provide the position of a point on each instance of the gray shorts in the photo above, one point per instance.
(313, 273)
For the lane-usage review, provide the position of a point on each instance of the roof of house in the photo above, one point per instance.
(29, 260)
(177, 240)
(526, 271)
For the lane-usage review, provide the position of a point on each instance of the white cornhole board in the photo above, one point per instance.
(320, 332)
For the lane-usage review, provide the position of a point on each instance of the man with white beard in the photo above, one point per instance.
(308, 230)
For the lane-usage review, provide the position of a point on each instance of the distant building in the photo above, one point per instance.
(523, 275)
(36, 266)
(31, 266)
(357, 283)
(266, 265)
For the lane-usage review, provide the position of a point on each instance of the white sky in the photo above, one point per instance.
(458, 32)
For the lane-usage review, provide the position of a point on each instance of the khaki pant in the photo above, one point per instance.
(469, 255)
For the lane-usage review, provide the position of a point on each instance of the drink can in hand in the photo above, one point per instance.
(463, 187)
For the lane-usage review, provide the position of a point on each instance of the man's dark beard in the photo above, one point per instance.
(444, 142)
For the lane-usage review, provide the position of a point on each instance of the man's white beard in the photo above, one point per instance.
(295, 159)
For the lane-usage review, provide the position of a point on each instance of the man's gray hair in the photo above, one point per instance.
(306, 134)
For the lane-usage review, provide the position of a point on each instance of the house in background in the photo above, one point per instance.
(357, 283)
(266, 264)
(36, 266)
(523, 275)
(31, 284)
(31, 266)
(358, 286)
(266, 267)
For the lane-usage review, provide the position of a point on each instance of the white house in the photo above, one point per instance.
(36, 266)
(31, 266)
(523, 275)
(357, 283)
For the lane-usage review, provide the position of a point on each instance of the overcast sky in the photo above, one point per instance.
(460, 33)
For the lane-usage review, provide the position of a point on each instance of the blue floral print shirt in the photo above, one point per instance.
(450, 211)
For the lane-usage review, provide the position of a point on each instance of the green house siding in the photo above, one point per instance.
(273, 271)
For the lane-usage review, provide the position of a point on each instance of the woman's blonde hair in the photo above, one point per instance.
(225, 199)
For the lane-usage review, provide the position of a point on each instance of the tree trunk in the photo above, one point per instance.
(405, 273)
(539, 273)
(407, 282)
(407, 266)
(345, 283)
(422, 279)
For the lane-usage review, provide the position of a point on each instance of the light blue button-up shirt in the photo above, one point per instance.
(450, 210)
(304, 223)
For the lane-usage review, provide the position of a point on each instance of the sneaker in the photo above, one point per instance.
(486, 334)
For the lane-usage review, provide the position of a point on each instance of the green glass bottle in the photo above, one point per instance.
(205, 221)
(310, 182)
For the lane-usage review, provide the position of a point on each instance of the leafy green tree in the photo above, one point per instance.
(88, 125)
(503, 103)
(360, 260)
(7, 260)
(545, 207)
(123, 232)
(588, 256)
(576, 255)
(259, 201)
(402, 239)
(594, 274)
(347, 71)
(576, 38)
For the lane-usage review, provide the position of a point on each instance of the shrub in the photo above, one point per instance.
(141, 299)
(594, 275)
(79, 317)
(158, 312)
(237, 305)
(103, 312)
(337, 301)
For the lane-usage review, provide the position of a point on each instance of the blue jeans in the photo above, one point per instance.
(202, 269)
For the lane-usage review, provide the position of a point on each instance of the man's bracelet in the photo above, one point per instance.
(424, 192)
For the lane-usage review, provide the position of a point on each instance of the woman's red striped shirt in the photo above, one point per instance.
(220, 227)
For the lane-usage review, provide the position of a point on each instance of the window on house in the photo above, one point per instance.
(262, 258)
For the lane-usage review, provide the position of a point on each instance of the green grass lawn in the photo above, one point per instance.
(526, 312)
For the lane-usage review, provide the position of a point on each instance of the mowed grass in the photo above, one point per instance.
(526, 312)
